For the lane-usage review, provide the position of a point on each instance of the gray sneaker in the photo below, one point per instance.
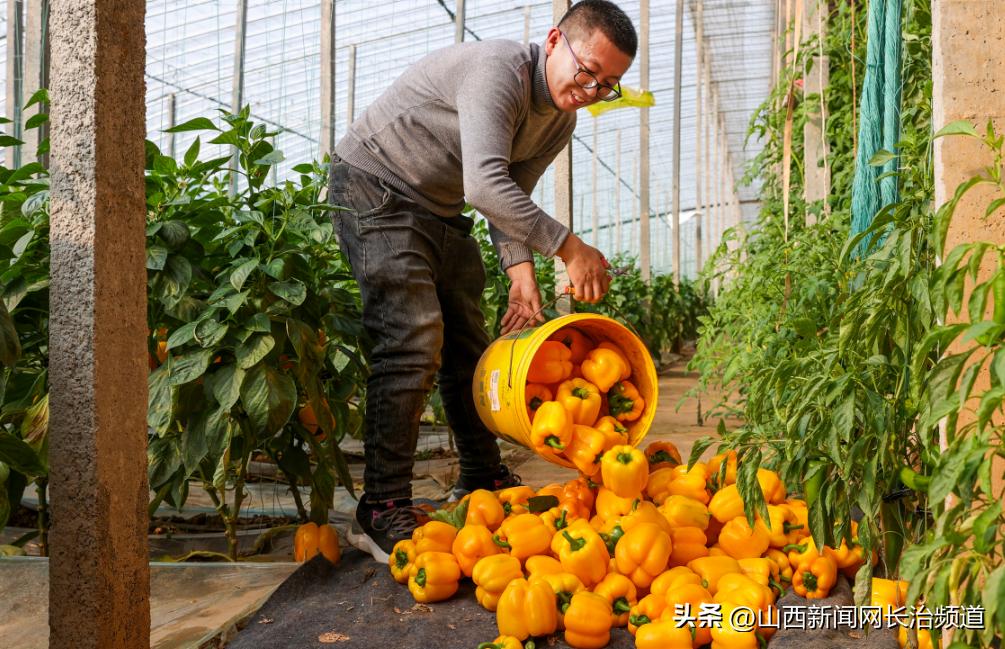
(379, 525)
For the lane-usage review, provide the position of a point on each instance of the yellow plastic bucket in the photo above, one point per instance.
(501, 376)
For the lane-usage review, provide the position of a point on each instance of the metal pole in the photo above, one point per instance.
(327, 142)
(36, 74)
(699, 41)
(563, 188)
(459, 22)
(351, 88)
(237, 98)
(526, 24)
(644, 252)
(635, 206)
(172, 120)
(593, 192)
(706, 170)
(617, 192)
(678, 50)
(15, 75)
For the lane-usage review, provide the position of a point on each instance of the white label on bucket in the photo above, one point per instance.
(494, 390)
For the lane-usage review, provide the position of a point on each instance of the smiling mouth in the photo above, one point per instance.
(577, 100)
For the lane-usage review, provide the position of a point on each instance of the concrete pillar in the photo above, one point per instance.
(817, 172)
(968, 71)
(563, 187)
(327, 135)
(98, 568)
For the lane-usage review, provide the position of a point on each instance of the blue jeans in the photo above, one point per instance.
(421, 279)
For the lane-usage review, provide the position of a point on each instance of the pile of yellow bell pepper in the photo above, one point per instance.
(628, 544)
(580, 396)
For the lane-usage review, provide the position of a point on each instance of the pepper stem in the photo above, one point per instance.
(420, 577)
(502, 544)
(809, 581)
(401, 559)
(554, 442)
(639, 620)
(621, 605)
(574, 543)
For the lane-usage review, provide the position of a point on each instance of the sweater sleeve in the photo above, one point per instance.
(488, 108)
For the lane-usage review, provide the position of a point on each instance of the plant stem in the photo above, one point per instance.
(295, 490)
(235, 513)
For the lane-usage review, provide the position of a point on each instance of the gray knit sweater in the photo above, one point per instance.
(472, 121)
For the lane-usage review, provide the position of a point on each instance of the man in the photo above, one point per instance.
(476, 121)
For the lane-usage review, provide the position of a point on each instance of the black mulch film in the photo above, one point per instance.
(357, 605)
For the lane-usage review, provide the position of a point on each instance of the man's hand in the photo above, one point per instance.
(587, 269)
(524, 299)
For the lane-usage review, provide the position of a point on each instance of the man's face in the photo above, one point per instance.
(595, 53)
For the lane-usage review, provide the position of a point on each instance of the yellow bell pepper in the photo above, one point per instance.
(627, 372)
(625, 471)
(690, 484)
(642, 553)
(681, 511)
(888, 592)
(582, 552)
(762, 570)
(535, 394)
(658, 485)
(798, 507)
(741, 541)
(527, 609)
(802, 552)
(925, 640)
(772, 486)
(588, 621)
(556, 519)
(603, 368)
(715, 463)
(542, 564)
(402, 558)
(621, 594)
(491, 575)
(783, 526)
(585, 449)
(434, 536)
(692, 596)
(726, 504)
(689, 543)
(551, 431)
(814, 579)
(741, 590)
(581, 399)
(624, 401)
(781, 560)
(514, 499)
(608, 424)
(611, 533)
(472, 543)
(663, 634)
(662, 454)
(485, 509)
(502, 642)
(553, 489)
(674, 578)
(712, 569)
(434, 577)
(313, 539)
(610, 505)
(649, 609)
(564, 585)
(524, 536)
(729, 636)
(577, 342)
(644, 511)
(551, 364)
(582, 489)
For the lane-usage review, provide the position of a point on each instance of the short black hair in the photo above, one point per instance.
(588, 15)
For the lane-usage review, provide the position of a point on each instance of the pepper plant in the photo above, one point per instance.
(261, 317)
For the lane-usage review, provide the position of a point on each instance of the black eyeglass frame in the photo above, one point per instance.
(616, 91)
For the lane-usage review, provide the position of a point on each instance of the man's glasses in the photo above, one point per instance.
(587, 81)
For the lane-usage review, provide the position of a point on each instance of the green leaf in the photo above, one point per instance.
(271, 158)
(209, 332)
(175, 233)
(701, 445)
(226, 385)
(190, 366)
(16, 454)
(192, 154)
(197, 124)
(539, 504)
(36, 120)
(881, 158)
(41, 96)
(10, 342)
(7, 140)
(181, 335)
(253, 350)
(269, 397)
(985, 529)
(959, 127)
(156, 257)
(293, 291)
(241, 273)
(993, 596)
(160, 398)
(994, 206)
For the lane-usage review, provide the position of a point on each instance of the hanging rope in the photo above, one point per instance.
(879, 117)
